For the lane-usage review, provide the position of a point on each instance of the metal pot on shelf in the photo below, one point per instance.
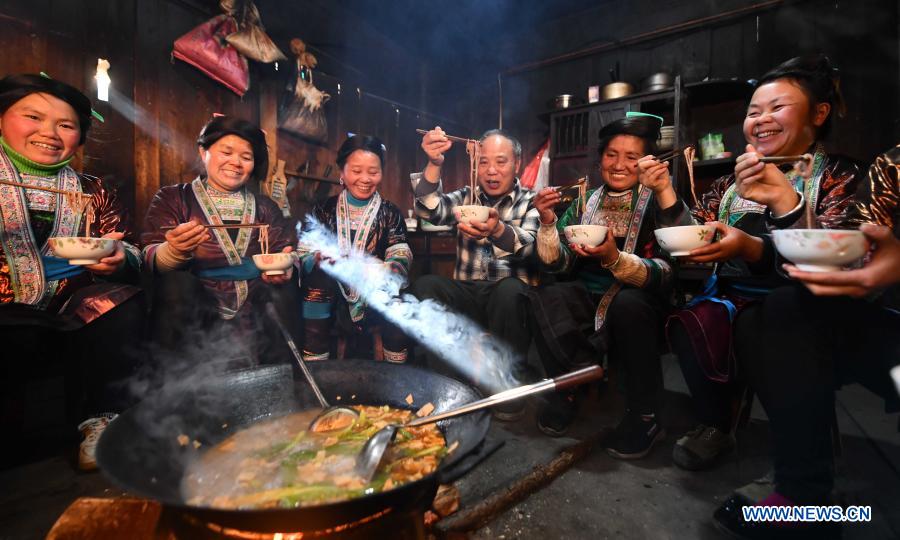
(657, 81)
(563, 101)
(617, 88)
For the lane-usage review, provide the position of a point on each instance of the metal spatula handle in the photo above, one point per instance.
(562, 382)
(270, 310)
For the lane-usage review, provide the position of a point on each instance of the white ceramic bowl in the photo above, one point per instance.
(588, 235)
(82, 249)
(273, 264)
(471, 212)
(679, 241)
(820, 250)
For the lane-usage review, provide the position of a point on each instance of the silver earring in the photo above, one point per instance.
(341, 180)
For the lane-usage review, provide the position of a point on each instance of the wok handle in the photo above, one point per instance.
(579, 377)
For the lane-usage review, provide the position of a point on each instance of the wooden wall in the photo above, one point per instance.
(158, 105)
(860, 37)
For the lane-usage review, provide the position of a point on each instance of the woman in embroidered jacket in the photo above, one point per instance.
(788, 114)
(205, 282)
(626, 280)
(363, 222)
(44, 123)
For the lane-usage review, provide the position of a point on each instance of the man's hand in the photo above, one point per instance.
(280, 278)
(109, 265)
(882, 270)
(435, 144)
(478, 230)
(733, 243)
(607, 251)
(186, 237)
(545, 201)
(763, 183)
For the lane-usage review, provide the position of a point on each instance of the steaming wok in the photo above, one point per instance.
(139, 451)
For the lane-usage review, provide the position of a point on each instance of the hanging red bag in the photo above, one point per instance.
(205, 48)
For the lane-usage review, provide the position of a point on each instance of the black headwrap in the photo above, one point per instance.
(644, 127)
(15, 87)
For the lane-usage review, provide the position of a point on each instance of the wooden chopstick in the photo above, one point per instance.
(223, 226)
(581, 180)
(785, 159)
(671, 154)
(451, 137)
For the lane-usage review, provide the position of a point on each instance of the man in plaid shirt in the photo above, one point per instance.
(494, 263)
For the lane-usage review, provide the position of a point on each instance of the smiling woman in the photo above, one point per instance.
(365, 224)
(206, 281)
(789, 113)
(44, 298)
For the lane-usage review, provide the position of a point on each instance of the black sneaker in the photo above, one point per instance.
(634, 437)
(557, 414)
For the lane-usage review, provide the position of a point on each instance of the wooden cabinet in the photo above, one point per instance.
(693, 109)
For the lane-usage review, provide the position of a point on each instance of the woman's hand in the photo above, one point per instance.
(733, 243)
(545, 202)
(280, 278)
(763, 183)
(318, 259)
(186, 237)
(607, 251)
(435, 144)
(883, 269)
(478, 230)
(654, 174)
(109, 265)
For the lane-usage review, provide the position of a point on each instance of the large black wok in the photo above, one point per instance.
(139, 451)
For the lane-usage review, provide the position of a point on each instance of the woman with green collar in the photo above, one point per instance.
(80, 315)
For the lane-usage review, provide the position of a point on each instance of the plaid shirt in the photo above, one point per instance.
(490, 259)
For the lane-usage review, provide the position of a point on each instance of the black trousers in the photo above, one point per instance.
(498, 306)
(712, 400)
(798, 348)
(96, 362)
(320, 288)
(635, 342)
(186, 328)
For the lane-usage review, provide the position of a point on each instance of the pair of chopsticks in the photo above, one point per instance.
(672, 154)
(779, 160)
(224, 226)
(40, 188)
(451, 137)
(581, 180)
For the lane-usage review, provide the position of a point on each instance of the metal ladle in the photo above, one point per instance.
(329, 412)
(373, 451)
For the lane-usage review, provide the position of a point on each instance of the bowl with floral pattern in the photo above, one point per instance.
(820, 250)
(82, 250)
(679, 241)
(586, 235)
(471, 212)
(273, 264)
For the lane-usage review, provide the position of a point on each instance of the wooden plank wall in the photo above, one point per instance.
(158, 105)
(860, 37)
